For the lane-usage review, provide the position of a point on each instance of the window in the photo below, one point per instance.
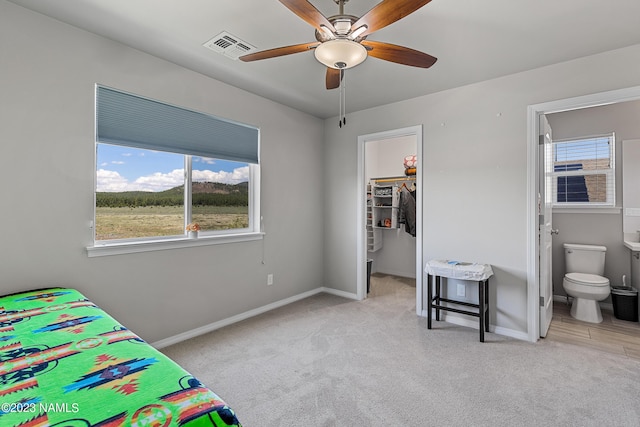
(584, 172)
(161, 167)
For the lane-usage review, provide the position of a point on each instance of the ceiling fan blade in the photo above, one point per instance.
(279, 51)
(399, 54)
(308, 13)
(334, 77)
(387, 12)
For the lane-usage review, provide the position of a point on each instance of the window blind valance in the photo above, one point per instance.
(126, 119)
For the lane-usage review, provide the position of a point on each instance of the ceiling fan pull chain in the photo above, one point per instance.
(342, 119)
(344, 98)
(340, 107)
(340, 101)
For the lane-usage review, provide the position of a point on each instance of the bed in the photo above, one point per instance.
(65, 362)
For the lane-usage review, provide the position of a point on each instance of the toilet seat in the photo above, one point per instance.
(585, 279)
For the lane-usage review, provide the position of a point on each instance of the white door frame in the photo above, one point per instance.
(533, 248)
(545, 227)
(361, 275)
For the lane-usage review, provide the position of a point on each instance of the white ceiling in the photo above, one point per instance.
(473, 40)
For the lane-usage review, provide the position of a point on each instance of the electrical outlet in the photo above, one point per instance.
(269, 279)
(461, 290)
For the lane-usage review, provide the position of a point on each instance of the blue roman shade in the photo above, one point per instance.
(133, 121)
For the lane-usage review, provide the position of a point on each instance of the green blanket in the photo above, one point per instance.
(65, 362)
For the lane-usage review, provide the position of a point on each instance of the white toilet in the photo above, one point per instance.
(584, 281)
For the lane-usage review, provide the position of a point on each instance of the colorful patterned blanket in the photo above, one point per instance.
(64, 362)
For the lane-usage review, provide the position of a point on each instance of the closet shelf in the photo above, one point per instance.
(383, 197)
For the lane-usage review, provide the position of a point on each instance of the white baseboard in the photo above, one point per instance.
(560, 298)
(343, 294)
(166, 342)
(474, 324)
(457, 320)
(392, 272)
(507, 332)
(606, 306)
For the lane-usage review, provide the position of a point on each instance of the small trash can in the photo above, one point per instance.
(625, 302)
(369, 265)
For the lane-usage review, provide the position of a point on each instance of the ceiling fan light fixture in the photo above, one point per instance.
(340, 53)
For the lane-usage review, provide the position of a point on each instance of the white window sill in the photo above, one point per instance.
(586, 209)
(121, 248)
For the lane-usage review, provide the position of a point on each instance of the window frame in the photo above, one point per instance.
(205, 238)
(609, 172)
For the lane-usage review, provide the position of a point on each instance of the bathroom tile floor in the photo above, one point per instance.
(612, 335)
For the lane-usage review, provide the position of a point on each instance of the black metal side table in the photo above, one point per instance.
(436, 270)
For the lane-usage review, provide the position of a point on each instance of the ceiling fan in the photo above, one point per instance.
(341, 39)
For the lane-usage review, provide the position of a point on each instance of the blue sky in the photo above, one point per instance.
(130, 169)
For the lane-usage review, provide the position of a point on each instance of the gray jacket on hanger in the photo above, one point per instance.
(407, 211)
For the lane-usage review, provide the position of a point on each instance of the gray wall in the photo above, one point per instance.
(475, 179)
(589, 227)
(47, 168)
(475, 171)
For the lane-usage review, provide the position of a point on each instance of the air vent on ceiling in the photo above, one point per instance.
(229, 45)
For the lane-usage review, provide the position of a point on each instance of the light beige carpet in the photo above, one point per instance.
(328, 361)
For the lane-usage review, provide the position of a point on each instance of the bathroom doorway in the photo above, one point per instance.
(537, 252)
(367, 143)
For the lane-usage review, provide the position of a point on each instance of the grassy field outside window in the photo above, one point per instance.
(153, 221)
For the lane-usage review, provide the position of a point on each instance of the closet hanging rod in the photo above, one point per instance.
(400, 178)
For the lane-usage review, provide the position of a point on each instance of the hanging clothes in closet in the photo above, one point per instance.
(407, 210)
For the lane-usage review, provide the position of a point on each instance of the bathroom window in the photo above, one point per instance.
(584, 172)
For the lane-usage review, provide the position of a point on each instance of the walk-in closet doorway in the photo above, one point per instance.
(367, 143)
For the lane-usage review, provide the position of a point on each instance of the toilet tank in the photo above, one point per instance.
(584, 258)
